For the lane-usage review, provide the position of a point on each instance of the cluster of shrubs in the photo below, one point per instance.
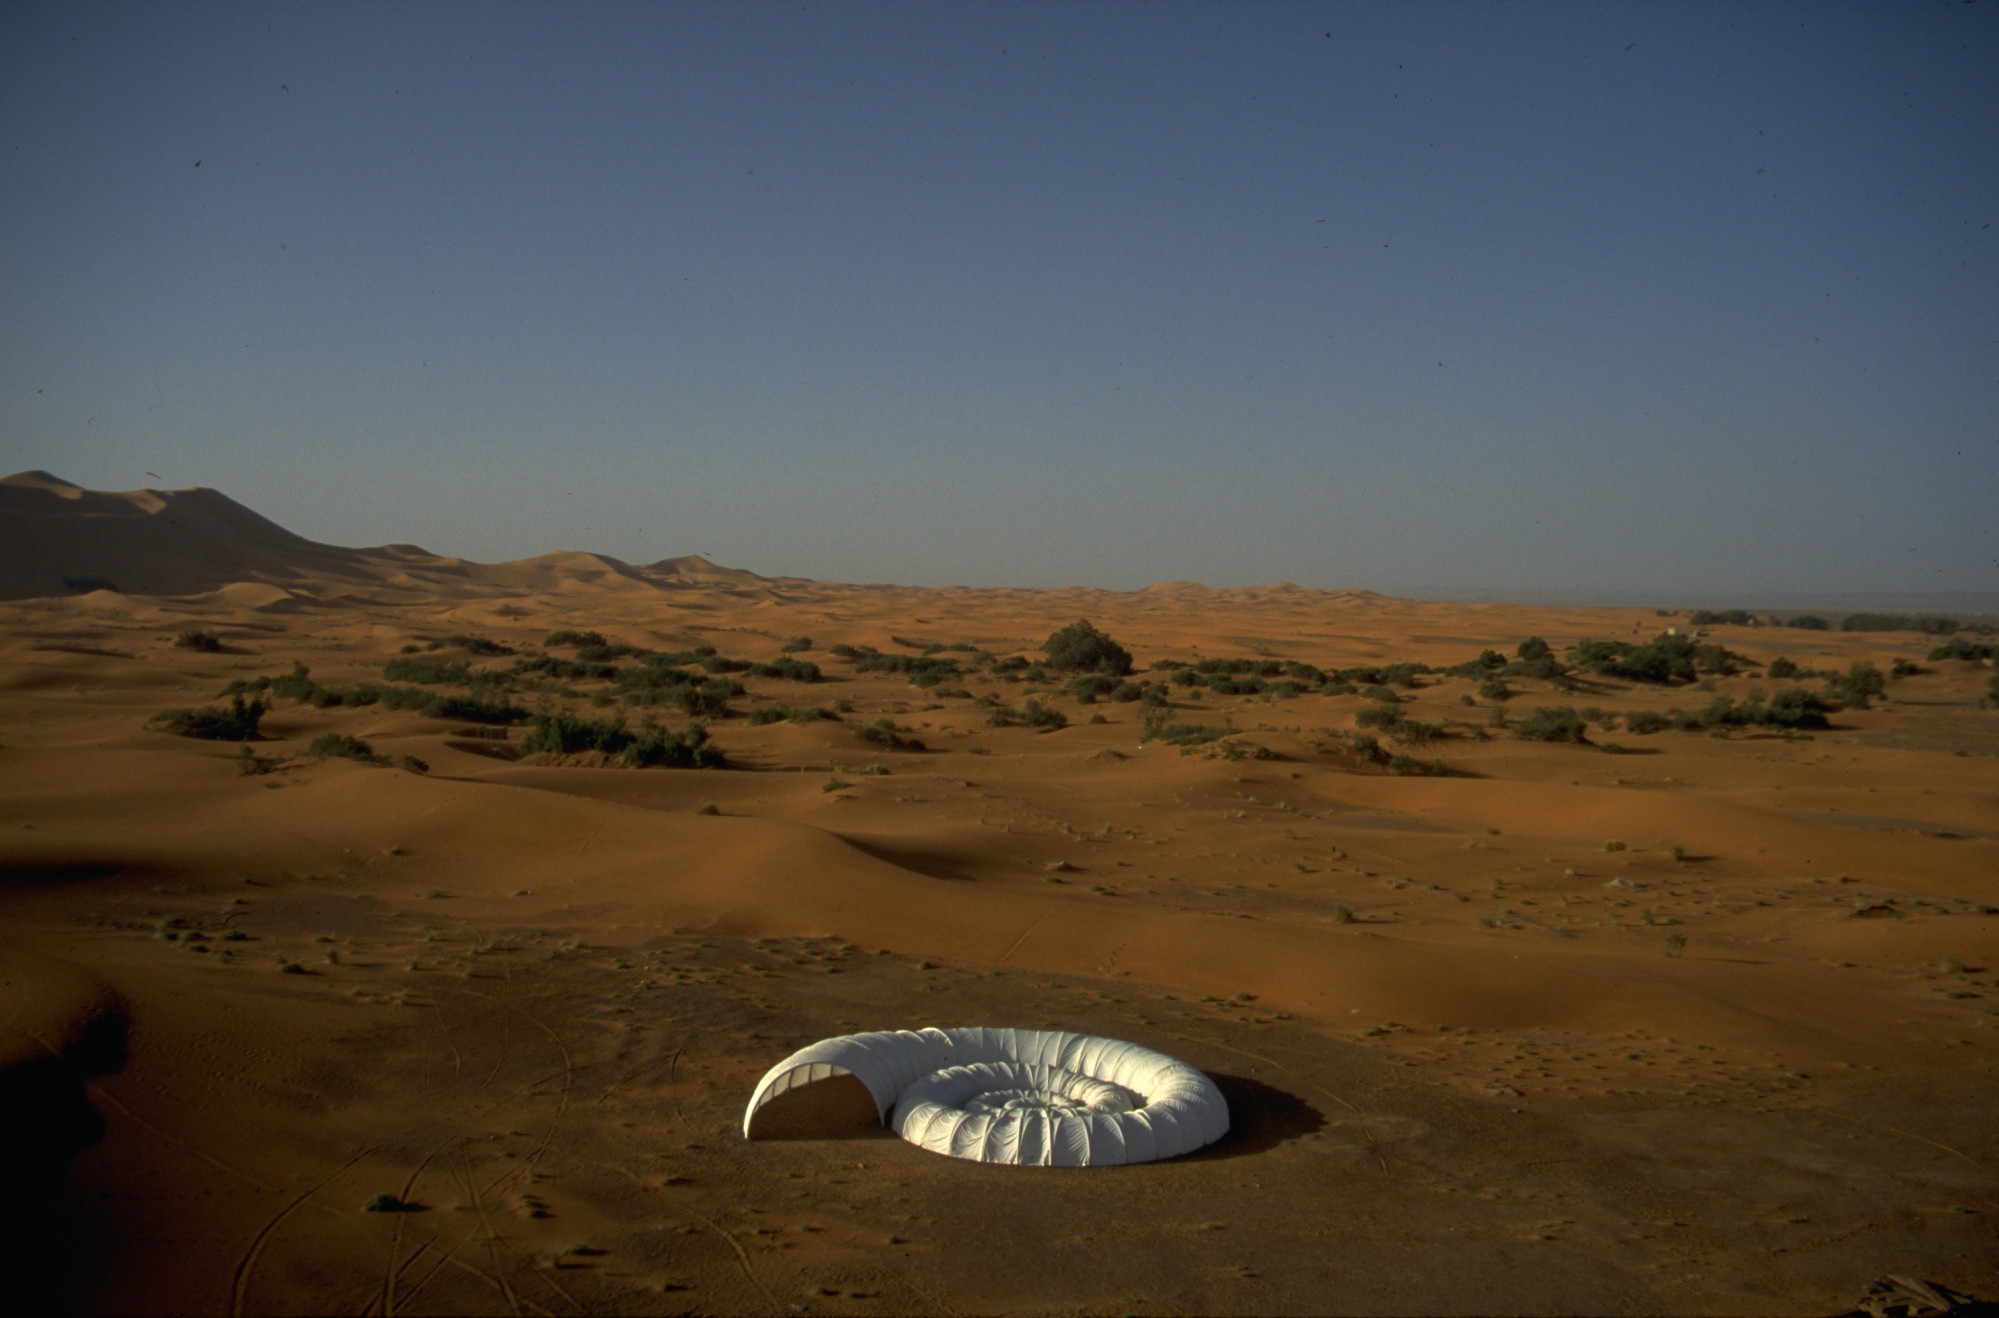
(1957, 647)
(1093, 687)
(1034, 714)
(206, 642)
(1390, 721)
(1664, 659)
(921, 670)
(483, 704)
(339, 746)
(1187, 736)
(884, 732)
(562, 733)
(1723, 618)
(1931, 624)
(237, 723)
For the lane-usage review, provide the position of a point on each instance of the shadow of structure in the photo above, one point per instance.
(1261, 1117)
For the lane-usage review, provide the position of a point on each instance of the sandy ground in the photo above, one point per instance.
(1478, 1062)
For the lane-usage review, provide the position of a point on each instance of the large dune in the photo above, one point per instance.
(1704, 1026)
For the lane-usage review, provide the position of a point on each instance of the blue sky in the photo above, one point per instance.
(1677, 302)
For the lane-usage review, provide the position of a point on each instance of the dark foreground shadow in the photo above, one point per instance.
(47, 1119)
(1261, 1117)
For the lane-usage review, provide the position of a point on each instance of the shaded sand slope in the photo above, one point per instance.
(1700, 1026)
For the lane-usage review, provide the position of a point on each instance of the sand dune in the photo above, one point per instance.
(1704, 1026)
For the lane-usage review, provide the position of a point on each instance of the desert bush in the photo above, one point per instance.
(1663, 659)
(1930, 623)
(341, 746)
(884, 732)
(1809, 622)
(1904, 668)
(1958, 647)
(1642, 721)
(797, 644)
(687, 749)
(1552, 723)
(211, 723)
(411, 764)
(1366, 747)
(792, 670)
(425, 672)
(1494, 689)
(1035, 714)
(1853, 687)
(560, 732)
(575, 638)
(1081, 648)
(1091, 686)
(1781, 668)
(207, 642)
(1223, 684)
(1534, 648)
(1186, 735)
(921, 670)
(1382, 694)
(1722, 617)
(473, 644)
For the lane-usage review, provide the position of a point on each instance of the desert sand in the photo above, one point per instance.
(1704, 1026)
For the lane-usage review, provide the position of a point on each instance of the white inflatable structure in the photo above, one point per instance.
(1030, 1097)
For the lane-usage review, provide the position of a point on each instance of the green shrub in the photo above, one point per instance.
(207, 642)
(1904, 668)
(1642, 721)
(1552, 723)
(797, 644)
(1808, 622)
(1662, 659)
(1853, 687)
(1081, 648)
(575, 638)
(1957, 647)
(562, 733)
(1781, 668)
(1046, 717)
(1719, 617)
(341, 746)
(1089, 687)
(425, 672)
(793, 670)
(922, 670)
(210, 723)
(1494, 689)
(883, 732)
(1930, 623)
(1534, 648)
(474, 644)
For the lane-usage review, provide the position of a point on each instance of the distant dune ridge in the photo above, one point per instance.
(57, 538)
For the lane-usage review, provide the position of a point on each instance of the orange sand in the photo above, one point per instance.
(1471, 1072)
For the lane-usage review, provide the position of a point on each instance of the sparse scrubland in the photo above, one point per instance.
(1546, 888)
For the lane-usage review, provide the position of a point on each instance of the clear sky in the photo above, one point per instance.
(1697, 303)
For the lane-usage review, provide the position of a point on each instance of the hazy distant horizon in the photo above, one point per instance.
(1670, 302)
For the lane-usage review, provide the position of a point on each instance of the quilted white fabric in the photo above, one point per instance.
(1031, 1097)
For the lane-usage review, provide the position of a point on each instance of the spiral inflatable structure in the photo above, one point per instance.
(1026, 1097)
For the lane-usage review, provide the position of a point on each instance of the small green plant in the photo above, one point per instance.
(210, 723)
(1044, 716)
(340, 746)
(834, 785)
(383, 1203)
(1341, 913)
(708, 808)
(883, 732)
(1552, 723)
(1613, 845)
(411, 764)
(207, 642)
